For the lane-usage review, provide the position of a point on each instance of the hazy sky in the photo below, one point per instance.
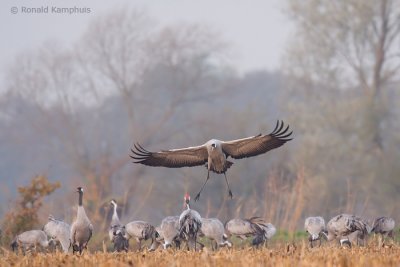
(256, 29)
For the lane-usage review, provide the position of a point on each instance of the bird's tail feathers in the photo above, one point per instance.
(226, 166)
(257, 224)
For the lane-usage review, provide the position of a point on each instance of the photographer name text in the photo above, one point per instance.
(52, 10)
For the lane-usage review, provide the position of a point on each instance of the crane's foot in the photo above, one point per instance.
(230, 194)
(197, 197)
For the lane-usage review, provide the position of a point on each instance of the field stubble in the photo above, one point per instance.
(280, 255)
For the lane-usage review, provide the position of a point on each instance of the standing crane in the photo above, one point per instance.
(383, 226)
(82, 228)
(347, 228)
(213, 229)
(60, 231)
(315, 226)
(189, 223)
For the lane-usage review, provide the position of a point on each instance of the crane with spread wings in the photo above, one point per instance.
(214, 153)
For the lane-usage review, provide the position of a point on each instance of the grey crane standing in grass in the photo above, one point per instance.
(214, 153)
(314, 226)
(140, 230)
(189, 224)
(60, 231)
(254, 227)
(213, 229)
(268, 230)
(117, 230)
(31, 239)
(82, 228)
(347, 228)
(119, 240)
(383, 226)
(115, 223)
(168, 232)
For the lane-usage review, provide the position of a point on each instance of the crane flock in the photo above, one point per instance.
(186, 227)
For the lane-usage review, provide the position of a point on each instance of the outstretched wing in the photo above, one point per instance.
(174, 158)
(256, 145)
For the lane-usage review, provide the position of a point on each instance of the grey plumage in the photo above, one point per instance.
(383, 226)
(189, 224)
(347, 228)
(168, 231)
(116, 231)
(29, 239)
(115, 223)
(214, 153)
(140, 230)
(243, 228)
(213, 229)
(60, 231)
(255, 227)
(268, 230)
(119, 240)
(314, 226)
(82, 228)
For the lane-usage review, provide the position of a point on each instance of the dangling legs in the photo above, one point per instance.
(230, 192)
(198, 194)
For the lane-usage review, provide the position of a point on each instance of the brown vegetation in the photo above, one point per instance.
(282, 255)
(24, 215)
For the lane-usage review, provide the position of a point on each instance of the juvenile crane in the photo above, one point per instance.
(60, 231)
(29, 239)
(140, 230)
(82, 228)
(253, 227)
(168, 231)
(314, 226)
(268, 230)
(214, 153)
(383, 226)
(119, 240)
(213, 229)
(115, 224)
(347, 228)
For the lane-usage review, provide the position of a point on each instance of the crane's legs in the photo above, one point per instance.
(198, 194)
(230, 192)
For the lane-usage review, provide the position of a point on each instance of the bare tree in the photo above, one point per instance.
(349, 44)
(342, 67)
(139, 76)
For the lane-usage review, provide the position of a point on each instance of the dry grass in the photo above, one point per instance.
(279, 255)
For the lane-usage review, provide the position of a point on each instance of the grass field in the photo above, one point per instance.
(284, 254)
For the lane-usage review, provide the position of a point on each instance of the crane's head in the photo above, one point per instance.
(213, 146)
(186, 198)
(79, 190)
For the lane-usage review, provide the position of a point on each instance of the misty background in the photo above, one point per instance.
(77, 91)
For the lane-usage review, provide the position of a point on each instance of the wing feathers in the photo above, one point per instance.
(175, 158)
(259, 144)
(194, 156)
